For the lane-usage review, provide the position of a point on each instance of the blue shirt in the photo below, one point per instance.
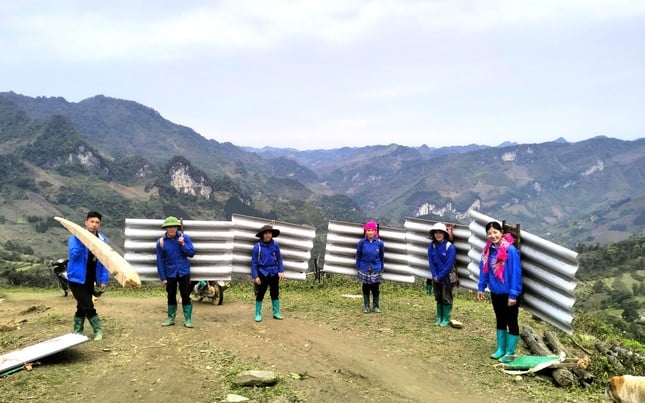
(266, 259)
(441, 259)
(172, 259)
(512, 284)
(369, 255)
(77, 265)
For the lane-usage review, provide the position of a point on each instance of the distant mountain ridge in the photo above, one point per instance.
(64, 153)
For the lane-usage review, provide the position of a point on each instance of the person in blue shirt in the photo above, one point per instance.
(173, 250)
(441, 259)
(84, 270)
(267, 270)
(370, 252)
(500, 270)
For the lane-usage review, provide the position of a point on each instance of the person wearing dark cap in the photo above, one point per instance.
(173, 250)
(267, 270)
(370, 252)
(441, 259)
(84, 270)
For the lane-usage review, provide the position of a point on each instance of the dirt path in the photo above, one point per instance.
(142, 361)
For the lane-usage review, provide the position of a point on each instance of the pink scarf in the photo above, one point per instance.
(500, 259)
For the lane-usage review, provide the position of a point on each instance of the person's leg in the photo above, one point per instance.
(376, 294)
(259, 296)
(366, 298)
(171, 296)
(446, 301)
(438, 296)
(83, 304)
(513, 336)
(186, 303)
(499, 302)
(274, 292)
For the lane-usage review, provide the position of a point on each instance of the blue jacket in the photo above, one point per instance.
(266, 259)
(172, 259)
(512, 284)
(77, 265)
(370, 255)
(441, 259)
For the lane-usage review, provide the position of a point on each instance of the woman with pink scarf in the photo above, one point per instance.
(500, 270)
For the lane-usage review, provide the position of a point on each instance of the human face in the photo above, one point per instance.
(93, 224)
(266, 236)
(494, 235)
(438, 236)
(171, 232)
(370, 233)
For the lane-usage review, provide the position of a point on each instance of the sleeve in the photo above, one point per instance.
(381, 252)
(254, 261)
(279, 256)
(432, 274)
(160, 266)
(359, 254)
(514, 265)
(188, 248)
(483, 277)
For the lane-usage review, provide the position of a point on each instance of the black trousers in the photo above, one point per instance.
(271, 282)
(184, 290)
(506, 316)
(83, 295)
(374, 288)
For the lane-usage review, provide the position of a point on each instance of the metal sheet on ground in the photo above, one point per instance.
(18, 358)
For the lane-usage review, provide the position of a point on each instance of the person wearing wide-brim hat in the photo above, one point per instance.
(441, 259)
(173, 250)
(267, 270)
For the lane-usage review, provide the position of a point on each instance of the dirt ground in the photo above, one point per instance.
(139, 360)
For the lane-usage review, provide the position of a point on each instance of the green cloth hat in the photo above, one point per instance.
(171, 222)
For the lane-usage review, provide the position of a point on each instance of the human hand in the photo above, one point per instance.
(181, 240)
(512, 302)
(257, 280)
(281, 276)
(480, 296)
(164, 282)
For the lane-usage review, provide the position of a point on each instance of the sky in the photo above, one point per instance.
(343, 73)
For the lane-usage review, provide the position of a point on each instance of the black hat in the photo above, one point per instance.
(274, 232)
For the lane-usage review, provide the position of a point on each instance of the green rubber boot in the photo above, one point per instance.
(172, 312)
(501, 345)
(188, 315)
(511, 343)
(439, 314)
(376, 298)
(276, 308)
(445, 318)
(95, 321)
(258, 311)
(78, 324)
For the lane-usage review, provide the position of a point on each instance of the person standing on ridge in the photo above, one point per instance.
(267, 270)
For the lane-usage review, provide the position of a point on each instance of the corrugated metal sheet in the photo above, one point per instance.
(223, 248)
(296, 243)
(16, 358)
(548, 272)
(213, 242)
(340, 251)
(418, 240)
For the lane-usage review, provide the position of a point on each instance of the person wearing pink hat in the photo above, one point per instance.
(369, 263)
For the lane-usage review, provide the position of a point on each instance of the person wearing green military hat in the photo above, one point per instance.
(173, 250)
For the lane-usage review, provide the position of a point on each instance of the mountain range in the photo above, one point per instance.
(125, 159)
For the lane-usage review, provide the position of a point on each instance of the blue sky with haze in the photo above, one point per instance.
(329, 74)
